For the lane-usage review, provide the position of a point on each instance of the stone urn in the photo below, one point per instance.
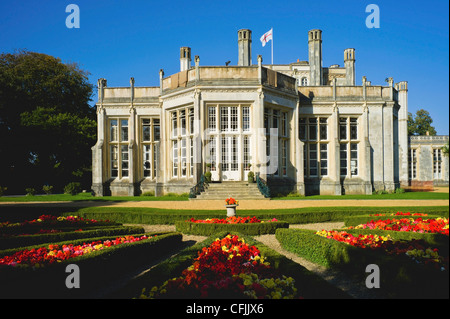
(231, 205)
(231, 210)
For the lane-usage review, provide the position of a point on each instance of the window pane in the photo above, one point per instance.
(343, 128)
(224, 118)
(175, 158)
(191, 121)
(312, 132)
(275, 118)
(212, 118)
(246, 153)
(323, 129)
(353, 128)
(246, 118)
(183, 122)
(174, 124)
(225, 159)
(266, 121)
(156, 130)
(212, 153)
(343, 156)
(146, 130)
(114, 130)
(234, 118)
(146, 160)
(313, 159)
(302, 129)
(354, 159)
(114, 161)
(124, 130)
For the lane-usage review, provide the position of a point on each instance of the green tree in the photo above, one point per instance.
(420, 123)
(445, 150)
(46, 123)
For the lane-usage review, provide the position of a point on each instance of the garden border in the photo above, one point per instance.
(96, 268)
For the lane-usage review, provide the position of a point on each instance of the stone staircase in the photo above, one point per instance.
(237, 190)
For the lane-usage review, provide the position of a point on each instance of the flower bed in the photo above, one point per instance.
(47, 255)
(409, 269)
(245, 225)
(230, 220)
(39, 271)
(229, 268)
(432, 225)
(418, 250)
(50, 224)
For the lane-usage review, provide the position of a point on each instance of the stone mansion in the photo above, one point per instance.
(299, 127)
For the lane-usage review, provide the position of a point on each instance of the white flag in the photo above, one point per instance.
(266, 37)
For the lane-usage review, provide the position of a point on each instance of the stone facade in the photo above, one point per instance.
(300, 126)
(428, 166)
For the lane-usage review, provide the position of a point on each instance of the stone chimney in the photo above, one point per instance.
(245, 47)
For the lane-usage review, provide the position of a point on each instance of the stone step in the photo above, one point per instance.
(237, 190)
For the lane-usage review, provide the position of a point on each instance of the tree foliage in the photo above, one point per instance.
(46, 123)
(420, 123)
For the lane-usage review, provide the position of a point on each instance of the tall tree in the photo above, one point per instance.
(420, 124)
(46, 123)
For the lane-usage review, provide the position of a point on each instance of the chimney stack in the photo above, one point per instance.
(245, 47)
(185, 58)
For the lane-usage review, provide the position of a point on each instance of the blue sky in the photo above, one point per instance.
(119, 39)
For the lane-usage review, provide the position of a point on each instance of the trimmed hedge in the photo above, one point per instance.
(400, 277)
(291, 216)
(309, 285)
(253, 229)
(97, 269)
(440, 241)
(29, 240)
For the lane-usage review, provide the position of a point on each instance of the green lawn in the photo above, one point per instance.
(185, 197)
(407, 195)
(89, 197)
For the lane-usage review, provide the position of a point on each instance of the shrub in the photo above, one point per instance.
(251, 177)
(401, 277)
(72, 188)
(30, 191)
(149, 193)
(207, 229)
(47, 189)
(208, 177)
(3, 190)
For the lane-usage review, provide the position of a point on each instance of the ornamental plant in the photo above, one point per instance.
(433, 225)
(231, 201)
(417, 250)
(230, 220)
(47, 223)
(43, 256)
(229, 267)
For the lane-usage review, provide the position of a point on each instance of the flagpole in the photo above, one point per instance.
(272, 46)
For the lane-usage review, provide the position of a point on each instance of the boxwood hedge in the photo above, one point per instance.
(97, 269)
(292, 216)
(400, 276)
(29, 240)
(205, 229)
